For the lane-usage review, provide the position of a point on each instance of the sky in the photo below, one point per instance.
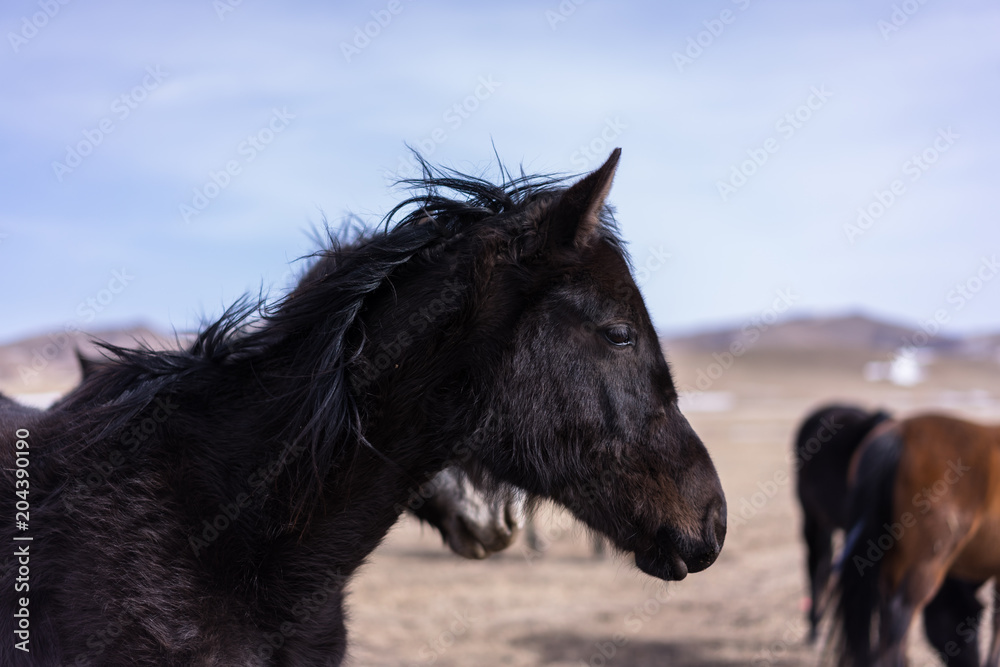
(158, 160)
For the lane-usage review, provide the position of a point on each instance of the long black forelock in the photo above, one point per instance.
(355, 263)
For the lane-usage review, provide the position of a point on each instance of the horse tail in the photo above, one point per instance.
(870, 503)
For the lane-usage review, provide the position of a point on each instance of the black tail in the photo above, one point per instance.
(870, 537)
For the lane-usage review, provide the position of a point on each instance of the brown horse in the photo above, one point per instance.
(925, 504)
(828, 441)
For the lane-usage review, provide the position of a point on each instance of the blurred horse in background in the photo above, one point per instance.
(827, 442)
(924, 506)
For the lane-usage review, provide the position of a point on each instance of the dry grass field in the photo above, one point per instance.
(415, 603)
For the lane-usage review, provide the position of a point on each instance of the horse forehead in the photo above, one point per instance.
(609, 271)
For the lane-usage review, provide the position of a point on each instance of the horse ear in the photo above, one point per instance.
(576, 216)
(87, 367)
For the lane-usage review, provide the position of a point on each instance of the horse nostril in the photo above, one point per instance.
(700, 561)
(720, 533)
(718, 524)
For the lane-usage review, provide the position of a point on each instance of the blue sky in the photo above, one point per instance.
(752, 134)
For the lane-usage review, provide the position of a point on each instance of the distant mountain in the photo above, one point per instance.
(982, 347)
(850, 332)
(48, 362)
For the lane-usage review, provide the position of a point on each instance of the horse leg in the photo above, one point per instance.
(919, 580)
(819, 545)
(993, 659)
(598, 545)
(951, 622)
(531, 534)
(895, 615)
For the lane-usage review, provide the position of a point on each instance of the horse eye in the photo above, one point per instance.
(619, 335)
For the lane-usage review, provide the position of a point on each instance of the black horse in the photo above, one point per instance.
(208, 506)
(826, 447)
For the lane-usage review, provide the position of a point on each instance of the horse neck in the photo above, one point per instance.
(400, 380)
(414, 358)
(399, 353)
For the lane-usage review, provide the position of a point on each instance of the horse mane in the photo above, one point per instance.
(321, 405)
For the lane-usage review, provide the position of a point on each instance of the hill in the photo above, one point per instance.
(850, 332)
(48, 362)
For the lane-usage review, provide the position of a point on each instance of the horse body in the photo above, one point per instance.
(473, 522)
(828, 448)
(208, 506)
(952, 502)
(926, 507)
